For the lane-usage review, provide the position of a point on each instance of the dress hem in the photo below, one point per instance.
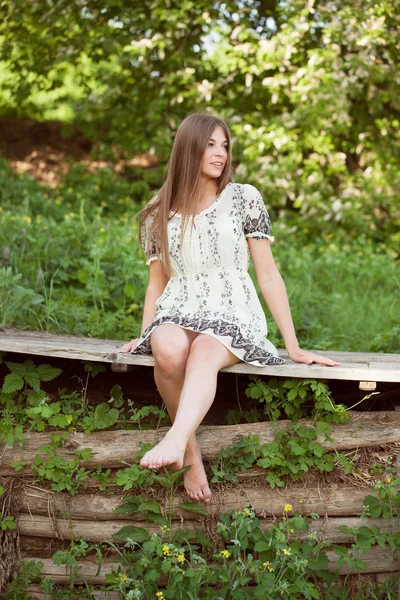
(241, 347)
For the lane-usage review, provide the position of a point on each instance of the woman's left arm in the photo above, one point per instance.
(274, 292)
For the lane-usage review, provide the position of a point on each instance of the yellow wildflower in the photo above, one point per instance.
(123, 577)
(27, 219)
(166, 550)
(225, 553)
(287, 552)
(388, 479)
(160, 596)
(181, 558)
(246, 512)
(288, 507)
(267, 564)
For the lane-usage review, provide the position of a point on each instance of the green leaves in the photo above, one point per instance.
(12, 383)
(134, 534)
(104, 416)
(27, 373)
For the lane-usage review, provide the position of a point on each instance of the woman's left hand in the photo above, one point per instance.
(303, 356)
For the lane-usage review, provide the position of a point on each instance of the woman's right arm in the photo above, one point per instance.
(155, 287)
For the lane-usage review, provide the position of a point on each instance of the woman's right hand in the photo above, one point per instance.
(130, 345)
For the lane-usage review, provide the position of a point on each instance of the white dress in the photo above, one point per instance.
(210, 290)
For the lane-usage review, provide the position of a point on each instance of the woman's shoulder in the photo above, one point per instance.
(245, 192)
(245, 188)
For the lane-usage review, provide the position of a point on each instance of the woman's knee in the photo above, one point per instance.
(208, 351)
(170, 349)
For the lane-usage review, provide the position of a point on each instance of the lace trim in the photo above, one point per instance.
(219, 327)
(262, 225)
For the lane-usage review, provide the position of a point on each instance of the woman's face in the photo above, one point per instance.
(215, 155)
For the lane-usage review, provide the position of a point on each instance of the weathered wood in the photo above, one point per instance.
(36, 593)
(87, 573)
(102, 531)
(331, 501)
(354, 366)
(109, 448)
(377, 561)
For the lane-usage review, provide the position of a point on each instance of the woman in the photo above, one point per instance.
(201, 310)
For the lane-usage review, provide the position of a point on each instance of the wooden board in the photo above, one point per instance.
(109, 448)
(377, 561)
(35, 592)
(336, 500)
(357, 366)
(102, 531)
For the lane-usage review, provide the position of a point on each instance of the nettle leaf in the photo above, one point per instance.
(104, 416)
(129, 507)
(17, 368)
(33, 380)
(12, 383)
(194, 507)
(135, 534)
(149, 505)
(47, 372)
(156, 518)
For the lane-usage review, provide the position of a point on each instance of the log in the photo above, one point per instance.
(332, 501)
(109, 448)
(36, 593)
(102, 531)
(87, 573)
(377, 561)
(354, 366)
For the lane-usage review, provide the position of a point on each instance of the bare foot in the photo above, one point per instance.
(167, 452)
(195, 478)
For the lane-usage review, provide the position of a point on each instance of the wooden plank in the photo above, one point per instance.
(102, 531)
(109, 448)
(35, 592)
(377, 561)
(335, 501)
(87, 573)
(355, 366)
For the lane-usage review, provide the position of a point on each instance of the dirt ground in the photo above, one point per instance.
(46, 150)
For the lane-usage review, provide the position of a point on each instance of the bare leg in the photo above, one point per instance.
(170, 347)
(206, 357)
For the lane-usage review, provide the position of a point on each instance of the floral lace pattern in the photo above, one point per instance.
(210, 290)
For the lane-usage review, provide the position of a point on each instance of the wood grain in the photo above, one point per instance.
(102, 531)
(334, 501)
(377, 561)
(109, 448)
(357, 366)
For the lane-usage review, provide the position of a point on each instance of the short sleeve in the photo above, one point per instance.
(149, 240)
(255, 217)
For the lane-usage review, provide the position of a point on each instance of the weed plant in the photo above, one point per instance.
(286, 559)
(70, 263)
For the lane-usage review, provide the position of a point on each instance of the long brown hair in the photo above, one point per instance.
(181, 189)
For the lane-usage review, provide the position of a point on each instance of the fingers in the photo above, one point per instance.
(321, 360)
(129, 346)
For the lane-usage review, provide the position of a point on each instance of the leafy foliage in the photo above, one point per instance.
(310, 91)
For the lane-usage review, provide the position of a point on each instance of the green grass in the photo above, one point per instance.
(70, 263)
